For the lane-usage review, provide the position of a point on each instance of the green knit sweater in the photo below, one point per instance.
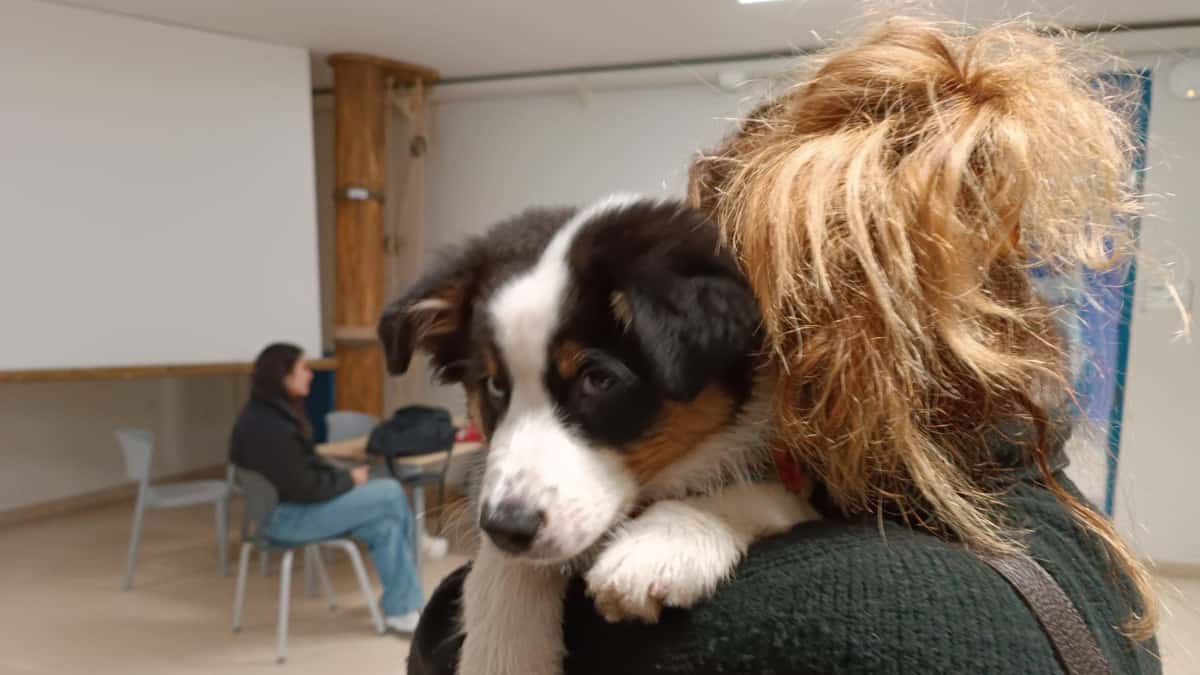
(840, 596)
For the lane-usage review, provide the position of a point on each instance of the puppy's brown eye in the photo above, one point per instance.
(497, 389)
(596, 381)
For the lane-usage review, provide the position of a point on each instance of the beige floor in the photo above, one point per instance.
(61, 610)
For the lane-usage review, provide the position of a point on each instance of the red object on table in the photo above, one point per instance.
(468, 434)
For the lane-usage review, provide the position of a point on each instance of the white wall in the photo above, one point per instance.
(1159, 465)
(493, 157)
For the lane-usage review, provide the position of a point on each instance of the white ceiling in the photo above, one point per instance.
(486, 37)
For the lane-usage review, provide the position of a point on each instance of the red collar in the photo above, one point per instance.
(790, 472)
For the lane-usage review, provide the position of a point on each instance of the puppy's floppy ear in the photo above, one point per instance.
(693, 322)
(433, 316)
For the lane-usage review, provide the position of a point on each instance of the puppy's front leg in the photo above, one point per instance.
(512, 615)
(677, 551)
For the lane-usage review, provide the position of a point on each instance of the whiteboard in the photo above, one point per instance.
(157, 197)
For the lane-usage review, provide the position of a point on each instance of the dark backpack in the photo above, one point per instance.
(413, 430)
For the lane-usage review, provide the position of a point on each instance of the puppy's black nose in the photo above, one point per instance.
(511, 525)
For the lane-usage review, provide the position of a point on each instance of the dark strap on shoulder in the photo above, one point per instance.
(1077, 649)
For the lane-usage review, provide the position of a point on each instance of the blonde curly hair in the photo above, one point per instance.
(887, 210)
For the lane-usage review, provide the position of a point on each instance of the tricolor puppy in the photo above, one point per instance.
(610, 355)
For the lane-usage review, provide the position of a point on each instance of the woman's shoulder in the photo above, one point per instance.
(832, 596)
(258, 426)
(827, 596)
(257, 415)
(837, 596)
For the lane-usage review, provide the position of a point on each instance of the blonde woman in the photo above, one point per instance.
(887, 211)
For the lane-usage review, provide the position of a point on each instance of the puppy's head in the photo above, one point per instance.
(597, 348)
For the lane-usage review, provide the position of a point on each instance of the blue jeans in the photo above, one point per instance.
(376, 514)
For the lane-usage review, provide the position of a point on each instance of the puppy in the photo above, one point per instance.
(610, 355)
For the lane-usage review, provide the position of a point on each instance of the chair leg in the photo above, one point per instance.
(322, 575)
(418, 505)
(434, 546)
(135, 537)
(441, 524)
(285, 592)
(239, 594)
(310, 572)
(418, 509)
(264, 560)
(229, 515)
(364, 582)
(222, 537)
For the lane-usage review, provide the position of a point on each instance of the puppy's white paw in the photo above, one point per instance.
(665, 558)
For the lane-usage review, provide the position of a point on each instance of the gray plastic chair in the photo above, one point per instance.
(261, 499)
(138, 448)
(235, 490)
(343, 424)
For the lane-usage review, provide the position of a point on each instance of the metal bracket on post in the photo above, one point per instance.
(355, 335)
(357, 193)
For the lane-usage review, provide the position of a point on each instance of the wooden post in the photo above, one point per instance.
(360, 168)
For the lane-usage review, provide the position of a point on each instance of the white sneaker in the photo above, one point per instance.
(434, 547)
(405, 623)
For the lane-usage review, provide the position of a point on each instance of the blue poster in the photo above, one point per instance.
(1099, 308)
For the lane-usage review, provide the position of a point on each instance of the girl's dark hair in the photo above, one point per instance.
(272, 365)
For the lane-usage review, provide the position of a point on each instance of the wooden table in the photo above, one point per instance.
(355, 450)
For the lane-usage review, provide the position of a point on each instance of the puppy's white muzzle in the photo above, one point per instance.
(546, 495)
